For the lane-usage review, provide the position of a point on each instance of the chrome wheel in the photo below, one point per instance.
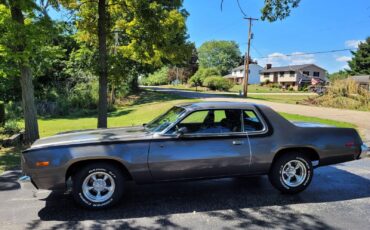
(294, 173)
(98, 187)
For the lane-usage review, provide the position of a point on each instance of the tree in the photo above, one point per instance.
(24, 27)
(146, 32)
(278, 9)
(198, 78)
(360, 63)
(223, 55)
(341, 74)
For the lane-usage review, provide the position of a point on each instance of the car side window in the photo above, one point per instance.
(251, 121)
(211, 122)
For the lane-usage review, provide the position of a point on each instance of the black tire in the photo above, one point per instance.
(277, 178)
(98, 169)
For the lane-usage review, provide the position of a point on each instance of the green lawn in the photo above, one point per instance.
(137, 110)
(289, 99)
(236, 88)
(255, 88)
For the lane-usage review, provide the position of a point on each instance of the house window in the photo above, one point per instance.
(307, 73)
(281, 74)
(266, 74)
(316, 74)
(291, 73)
(275, 74)
(241, 71)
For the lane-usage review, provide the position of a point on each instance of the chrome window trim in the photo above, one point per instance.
(246, 133)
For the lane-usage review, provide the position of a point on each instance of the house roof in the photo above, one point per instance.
(242, 67)
(287, 68)
(361, 78)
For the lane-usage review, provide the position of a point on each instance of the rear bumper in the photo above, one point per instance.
(364, 151)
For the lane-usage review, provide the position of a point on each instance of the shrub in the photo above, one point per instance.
(10, 127)
(159, 77)
(2, 113)
(345, 94)
(217, 83)
(198, 78)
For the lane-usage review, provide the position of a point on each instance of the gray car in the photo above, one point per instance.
(190, 141)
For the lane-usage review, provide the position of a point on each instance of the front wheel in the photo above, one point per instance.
(291, 173)
(98, 185)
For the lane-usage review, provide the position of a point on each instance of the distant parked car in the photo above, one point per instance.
(190, 141)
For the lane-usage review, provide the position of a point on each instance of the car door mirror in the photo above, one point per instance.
(181, 131)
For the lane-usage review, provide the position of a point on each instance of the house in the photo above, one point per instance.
(293, 75)
(237, 74)
(362, 80)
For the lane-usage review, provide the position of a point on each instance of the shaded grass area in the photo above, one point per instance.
(9, 158)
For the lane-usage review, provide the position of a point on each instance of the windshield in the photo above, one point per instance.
(163, 121)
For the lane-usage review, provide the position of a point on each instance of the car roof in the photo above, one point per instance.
(217, 105)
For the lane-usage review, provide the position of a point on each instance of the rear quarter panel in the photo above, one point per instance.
(328, 142)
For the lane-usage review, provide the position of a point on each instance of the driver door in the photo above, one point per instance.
(213, 146)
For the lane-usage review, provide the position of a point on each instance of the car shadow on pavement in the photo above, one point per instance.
(244, 202)
(9, 180)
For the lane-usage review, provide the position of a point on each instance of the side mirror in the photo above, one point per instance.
(181, 131)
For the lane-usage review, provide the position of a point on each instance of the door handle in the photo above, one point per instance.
(238, 142)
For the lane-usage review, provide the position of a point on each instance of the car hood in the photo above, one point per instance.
(93, 136)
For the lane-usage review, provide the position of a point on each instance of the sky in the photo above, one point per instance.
(316, 25)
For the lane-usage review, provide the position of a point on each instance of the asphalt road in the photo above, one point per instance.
(338, 197)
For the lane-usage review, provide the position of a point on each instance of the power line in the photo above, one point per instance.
(307, 53)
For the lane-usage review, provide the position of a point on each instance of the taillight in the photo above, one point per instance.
(350, 144)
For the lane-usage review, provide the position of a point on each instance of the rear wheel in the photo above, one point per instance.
(98, 185)
(291, 173)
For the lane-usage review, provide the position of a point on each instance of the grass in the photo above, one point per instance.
(9, 158)
(289, 99)
(136, 110)
(255, 88)
(235, 89)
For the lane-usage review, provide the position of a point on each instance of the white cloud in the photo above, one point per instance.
(343, 58)
(295, 58)
(353, 43)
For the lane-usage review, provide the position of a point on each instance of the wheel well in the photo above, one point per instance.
(309, 152)
(73, 168)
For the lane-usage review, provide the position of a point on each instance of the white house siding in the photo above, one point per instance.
(237, 74)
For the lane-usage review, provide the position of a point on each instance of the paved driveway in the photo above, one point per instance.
(338, 197)
(359, 118)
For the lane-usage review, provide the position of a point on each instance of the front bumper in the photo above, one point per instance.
(364, 151)
(47, 178)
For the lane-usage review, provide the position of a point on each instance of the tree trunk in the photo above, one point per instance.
(102, 65)
(28, 101)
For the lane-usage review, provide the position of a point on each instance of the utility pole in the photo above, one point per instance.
(246, 58)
